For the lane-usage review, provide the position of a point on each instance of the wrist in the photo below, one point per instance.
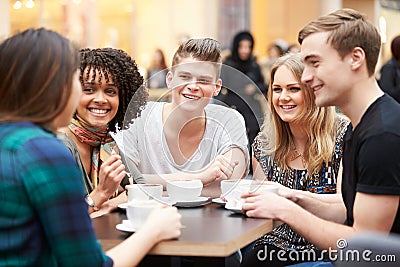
(151, 234)
(91, 203)
(302, 197)
(99, 197)
(283, 212)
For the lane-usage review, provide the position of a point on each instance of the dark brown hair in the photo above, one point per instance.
(125, 74)
(36, 71)
(395, 47)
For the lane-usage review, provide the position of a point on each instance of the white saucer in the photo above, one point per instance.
(166, 201)
(219, 201)
(163, 200)
(123, 205)
(234, 210)
(125, 226)
(200, 201)
(234, 207)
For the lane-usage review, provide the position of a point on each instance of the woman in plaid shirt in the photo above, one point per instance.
(44, 218)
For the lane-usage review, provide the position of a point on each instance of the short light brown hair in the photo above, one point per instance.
(348, 29)
(205, 49)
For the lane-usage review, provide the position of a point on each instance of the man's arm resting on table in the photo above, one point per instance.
(326, 206)
(234, 157)
(237, 155)
(325, 233)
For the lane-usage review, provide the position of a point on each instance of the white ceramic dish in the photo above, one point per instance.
(164, 200)
(125, 226)
(123, 205)
(237, 211)
(219, 201)
(199, 201)
(234, 207)
(184, 190)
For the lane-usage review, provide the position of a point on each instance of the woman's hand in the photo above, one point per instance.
(264, 205)
(111, 173)
(289, 193)
(164, 223)
(110, 205)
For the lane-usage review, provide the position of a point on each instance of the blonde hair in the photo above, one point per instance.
(319, 124)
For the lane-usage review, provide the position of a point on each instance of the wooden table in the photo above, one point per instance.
(210, 231)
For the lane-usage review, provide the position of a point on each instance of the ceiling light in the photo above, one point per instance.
(30, 4)
(17, 5)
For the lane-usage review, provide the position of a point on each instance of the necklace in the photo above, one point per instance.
(297, 154)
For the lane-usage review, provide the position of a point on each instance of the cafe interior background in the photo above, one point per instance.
(139, 27)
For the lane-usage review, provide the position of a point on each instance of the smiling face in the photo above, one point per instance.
(193, 84)
(287, 95)
(325, 71)
(99, 102)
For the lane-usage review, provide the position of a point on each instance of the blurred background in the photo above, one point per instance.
(141, 27)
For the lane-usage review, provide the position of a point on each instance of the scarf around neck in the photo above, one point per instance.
(103, 145)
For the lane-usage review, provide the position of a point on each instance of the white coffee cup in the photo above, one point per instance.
(253, 187)
(263, 188)
(144, 191)
(188, 190)
(227, 186)
(153, 191)
(138, 211)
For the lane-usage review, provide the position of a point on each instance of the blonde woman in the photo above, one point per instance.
(307, 151)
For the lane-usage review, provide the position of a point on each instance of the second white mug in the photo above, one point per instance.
(144, 191)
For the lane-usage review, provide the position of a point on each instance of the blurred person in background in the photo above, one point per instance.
(243, 92)
(274, 51)
(293, 48)
(389, 79)
(157, 72)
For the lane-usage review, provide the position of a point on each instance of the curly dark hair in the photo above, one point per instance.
(126, 77)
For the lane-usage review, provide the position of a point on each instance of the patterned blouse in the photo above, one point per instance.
(283, 236)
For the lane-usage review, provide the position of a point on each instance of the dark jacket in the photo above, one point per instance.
(236, 74)
(390, 78)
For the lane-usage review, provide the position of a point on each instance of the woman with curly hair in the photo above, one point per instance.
(43, 212)
(109, 79)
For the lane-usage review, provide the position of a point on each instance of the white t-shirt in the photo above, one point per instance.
(144, 142)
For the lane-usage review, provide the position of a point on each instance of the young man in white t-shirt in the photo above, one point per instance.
(188, 138)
